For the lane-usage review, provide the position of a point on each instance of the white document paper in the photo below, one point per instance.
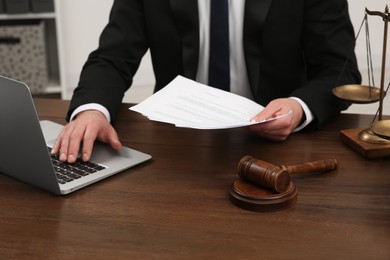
(187, 103)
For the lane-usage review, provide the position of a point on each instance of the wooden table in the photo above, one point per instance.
(176, 206)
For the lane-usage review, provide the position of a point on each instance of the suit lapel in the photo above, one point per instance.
(187, 22)
(254, 18)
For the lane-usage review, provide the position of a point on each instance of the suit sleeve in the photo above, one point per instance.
(328, 43)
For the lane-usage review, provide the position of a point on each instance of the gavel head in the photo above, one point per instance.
(264, 174)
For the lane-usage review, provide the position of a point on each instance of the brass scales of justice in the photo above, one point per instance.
(374, 141)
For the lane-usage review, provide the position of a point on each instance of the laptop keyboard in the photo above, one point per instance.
(67, 172)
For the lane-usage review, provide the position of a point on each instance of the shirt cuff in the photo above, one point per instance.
(91, 106)
(307, 112)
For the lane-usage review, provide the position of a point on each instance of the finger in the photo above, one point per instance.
(110, 136)
(114, 139)
(57, 145)
(274, 108)
(62, 143)
(267, 113)
(88, 142)
(274, 125)
(63, 150)
(76, 136)
(275, 130)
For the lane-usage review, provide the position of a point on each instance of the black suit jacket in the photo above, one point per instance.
(292, 48)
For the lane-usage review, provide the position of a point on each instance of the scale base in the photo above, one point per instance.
(367, 149)
(249, 196)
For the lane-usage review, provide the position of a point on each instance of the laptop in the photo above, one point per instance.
(25, 144)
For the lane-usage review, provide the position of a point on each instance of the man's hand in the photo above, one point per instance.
(88, 126)
(279, 129)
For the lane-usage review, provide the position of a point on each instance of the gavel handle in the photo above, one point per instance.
(315, 166)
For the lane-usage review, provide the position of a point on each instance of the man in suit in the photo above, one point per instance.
(285, 55)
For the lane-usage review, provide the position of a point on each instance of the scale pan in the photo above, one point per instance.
(382, 129)
(360, 94)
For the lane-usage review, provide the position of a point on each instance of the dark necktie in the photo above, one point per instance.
(219, 67)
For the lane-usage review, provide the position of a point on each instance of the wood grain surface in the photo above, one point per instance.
(177, 205)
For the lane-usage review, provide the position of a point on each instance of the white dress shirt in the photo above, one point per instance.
(239, 83)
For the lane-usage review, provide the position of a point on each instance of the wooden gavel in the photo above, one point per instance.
(277, 177)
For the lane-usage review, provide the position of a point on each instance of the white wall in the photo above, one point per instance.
(81, 22)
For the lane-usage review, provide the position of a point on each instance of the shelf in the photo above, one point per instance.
(27, 16)
(51, 44)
